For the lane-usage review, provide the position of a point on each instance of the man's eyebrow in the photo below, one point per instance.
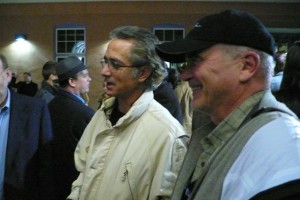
(113, 60)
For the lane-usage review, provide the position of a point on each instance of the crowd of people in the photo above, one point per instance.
(211, 129)
(26, 86)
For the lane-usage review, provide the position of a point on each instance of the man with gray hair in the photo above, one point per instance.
(252, 142)
(133, 147)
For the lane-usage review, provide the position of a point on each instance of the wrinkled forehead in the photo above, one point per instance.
(120, 44)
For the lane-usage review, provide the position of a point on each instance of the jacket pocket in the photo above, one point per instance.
(131, 180)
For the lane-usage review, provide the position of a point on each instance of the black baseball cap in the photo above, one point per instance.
(228, 27)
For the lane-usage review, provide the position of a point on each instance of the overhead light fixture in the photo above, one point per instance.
(20, 37)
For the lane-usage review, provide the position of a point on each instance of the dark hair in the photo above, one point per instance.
(280, 58)
(4, 61)
(143, 52)
(291, 77)
(172, 77)
(289, 92)
(48, 69)
(27, 73)
(65, 82)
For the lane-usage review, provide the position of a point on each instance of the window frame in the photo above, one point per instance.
(82, 50)
(168, 27)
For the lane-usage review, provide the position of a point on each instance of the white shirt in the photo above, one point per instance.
(270, 157)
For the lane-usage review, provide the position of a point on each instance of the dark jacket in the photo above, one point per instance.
(28, 166)
(166, 96)
(46, 92)
(28, 89)
(291, 99)
(69, 117)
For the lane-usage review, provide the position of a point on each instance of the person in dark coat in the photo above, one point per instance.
(289, 92)
(166, 96)
(27, 87)
(69, 116)
(48, 87)
(25, 144)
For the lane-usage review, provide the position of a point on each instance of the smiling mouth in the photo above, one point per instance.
(108, 84)
(196, 87)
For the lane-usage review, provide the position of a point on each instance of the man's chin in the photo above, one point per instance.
(109, 93)
(197, 104)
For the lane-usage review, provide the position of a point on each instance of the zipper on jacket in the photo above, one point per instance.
(124, 175)
(129, 176)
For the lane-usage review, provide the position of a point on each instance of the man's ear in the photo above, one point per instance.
(8, 74)
(250, 65)
(144, 73)
(53, 77)
(71, 82)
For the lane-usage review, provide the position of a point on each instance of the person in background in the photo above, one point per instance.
(85, 97)
(280, 59)
(25, 144)
(173, 77)
(102, 97)
(184, 95)
(27, 87)
(133, 147)
(165, 95)
(12, 84)
(69, 116)
(289, 92)
(252, 141)
(48, 87)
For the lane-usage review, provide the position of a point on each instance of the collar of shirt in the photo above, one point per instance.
(279, 74)
(77, 96)
(4, 124)
(223, 132)
(7, 103)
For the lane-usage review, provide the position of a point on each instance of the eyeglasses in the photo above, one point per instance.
(114, 64)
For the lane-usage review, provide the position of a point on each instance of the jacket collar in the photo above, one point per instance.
(136, 110)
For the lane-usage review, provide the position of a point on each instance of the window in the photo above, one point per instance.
(169, 32)
(70, 40)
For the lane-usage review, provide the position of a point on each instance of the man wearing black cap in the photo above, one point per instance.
(69, 116)
(252, 142)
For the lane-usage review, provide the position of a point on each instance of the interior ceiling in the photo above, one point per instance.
(47, 1)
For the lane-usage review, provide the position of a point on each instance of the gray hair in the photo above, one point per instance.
(142, 53)
(267, 62)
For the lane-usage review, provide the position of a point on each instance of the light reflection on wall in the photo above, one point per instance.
(22, 47)
(21, 55)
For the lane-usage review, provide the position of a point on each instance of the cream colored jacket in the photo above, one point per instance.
(137, 159)
(184, 94)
